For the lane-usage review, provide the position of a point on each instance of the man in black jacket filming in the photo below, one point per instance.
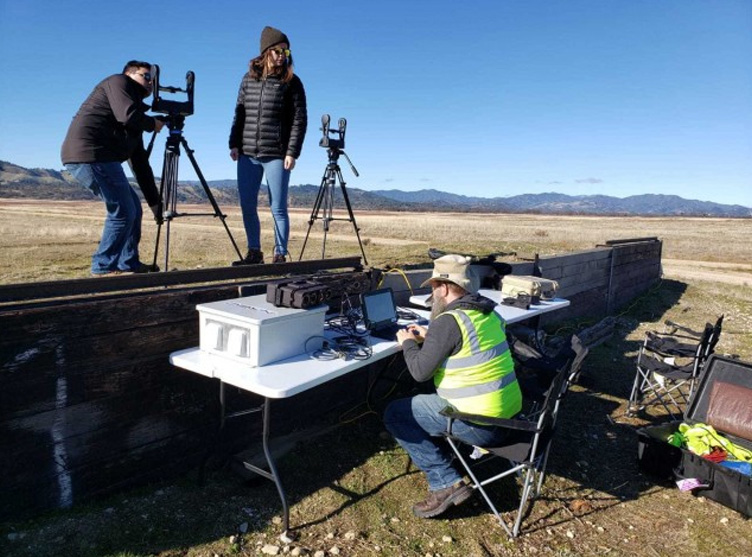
(106, 131)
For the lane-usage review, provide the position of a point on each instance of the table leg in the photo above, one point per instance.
(272, 474)
(273, 468)
(217, 435)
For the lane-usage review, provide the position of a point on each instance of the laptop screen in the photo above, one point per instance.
(378, 308)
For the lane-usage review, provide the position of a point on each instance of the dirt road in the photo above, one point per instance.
(729, 273)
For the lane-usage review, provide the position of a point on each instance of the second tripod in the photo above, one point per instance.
(332, 176)
(168, 188)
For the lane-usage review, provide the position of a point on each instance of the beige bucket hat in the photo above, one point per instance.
(456, 269)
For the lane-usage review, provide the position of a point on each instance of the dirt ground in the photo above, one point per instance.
(728, 273)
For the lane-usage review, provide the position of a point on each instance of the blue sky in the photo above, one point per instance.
(490, 98)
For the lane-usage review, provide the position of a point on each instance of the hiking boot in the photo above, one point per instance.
(145, 268)
(279, 258)
(115, 273)
(253, 257)
(439, 501)
(140, 269)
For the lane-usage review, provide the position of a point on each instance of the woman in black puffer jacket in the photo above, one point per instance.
(266, 139)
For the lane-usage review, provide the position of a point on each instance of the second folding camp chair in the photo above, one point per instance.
(525, 448)
(668, 366)
(535, 370)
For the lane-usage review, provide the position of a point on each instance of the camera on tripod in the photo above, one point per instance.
(333, 139)
(169, 106)
(334, 143)
(175, 112)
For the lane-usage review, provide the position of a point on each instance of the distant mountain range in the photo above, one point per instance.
(36, 183)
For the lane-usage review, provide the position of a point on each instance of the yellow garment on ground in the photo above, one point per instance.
(701, 438)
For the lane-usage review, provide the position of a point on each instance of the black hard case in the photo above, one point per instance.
(658, 458)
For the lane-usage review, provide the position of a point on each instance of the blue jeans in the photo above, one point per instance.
(118, 248)
(250, 172)
(417, 426)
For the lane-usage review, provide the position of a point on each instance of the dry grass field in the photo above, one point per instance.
(354, 497)
(48, 240)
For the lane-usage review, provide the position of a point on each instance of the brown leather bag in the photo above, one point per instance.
(730, 409)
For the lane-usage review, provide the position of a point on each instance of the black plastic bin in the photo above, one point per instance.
(658, 458)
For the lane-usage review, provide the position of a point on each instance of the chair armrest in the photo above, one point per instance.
(520, 425)
(687, 330)
(665, 345)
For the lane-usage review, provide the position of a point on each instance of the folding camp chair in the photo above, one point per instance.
(715, 336)
(526, 446)
(535, 370)
(669, 364)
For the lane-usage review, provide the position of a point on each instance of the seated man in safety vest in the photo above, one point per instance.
(466, 353)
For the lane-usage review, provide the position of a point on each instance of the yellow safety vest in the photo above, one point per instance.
(480, 378)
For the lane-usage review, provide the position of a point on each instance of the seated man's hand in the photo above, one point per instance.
(403, 335)
(412, 332)
(418, 332)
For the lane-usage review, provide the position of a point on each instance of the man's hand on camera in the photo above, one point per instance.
(234, 153)
(157, 210)
(158, 125)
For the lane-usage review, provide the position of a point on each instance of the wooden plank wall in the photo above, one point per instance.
(597, 282)
(90, 405)
(89, 402)
(583, 279)
(636, 267)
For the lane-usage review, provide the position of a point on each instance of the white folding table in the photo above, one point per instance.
(279, 380)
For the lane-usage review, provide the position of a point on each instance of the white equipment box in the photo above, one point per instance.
(252, 331)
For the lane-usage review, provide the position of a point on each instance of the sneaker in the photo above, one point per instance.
(253, 257)
(279, 258)
(439, 501)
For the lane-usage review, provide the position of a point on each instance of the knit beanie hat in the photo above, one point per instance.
(271, 36)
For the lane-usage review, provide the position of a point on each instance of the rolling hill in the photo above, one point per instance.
(37, 183)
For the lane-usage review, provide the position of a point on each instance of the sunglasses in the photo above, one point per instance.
(145, 75)
(281, 51)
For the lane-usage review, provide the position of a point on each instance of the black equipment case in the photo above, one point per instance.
(723, 399)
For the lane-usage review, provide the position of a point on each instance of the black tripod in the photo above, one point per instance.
(325, 196)
(168, 187)
(325, 202)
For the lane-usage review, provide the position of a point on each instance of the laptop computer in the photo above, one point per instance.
(380, 313)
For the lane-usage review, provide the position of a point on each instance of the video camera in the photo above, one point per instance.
(168, 106)
(336, 143)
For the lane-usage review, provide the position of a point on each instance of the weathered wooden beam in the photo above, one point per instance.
(29, 292)
(598, 333)
(631, 241)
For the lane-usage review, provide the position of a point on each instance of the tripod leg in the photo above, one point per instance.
(170, 199)
(315, 210)
(162, 181)
(328, 208)
(217, 211)
(352, 216)
(156, 246)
